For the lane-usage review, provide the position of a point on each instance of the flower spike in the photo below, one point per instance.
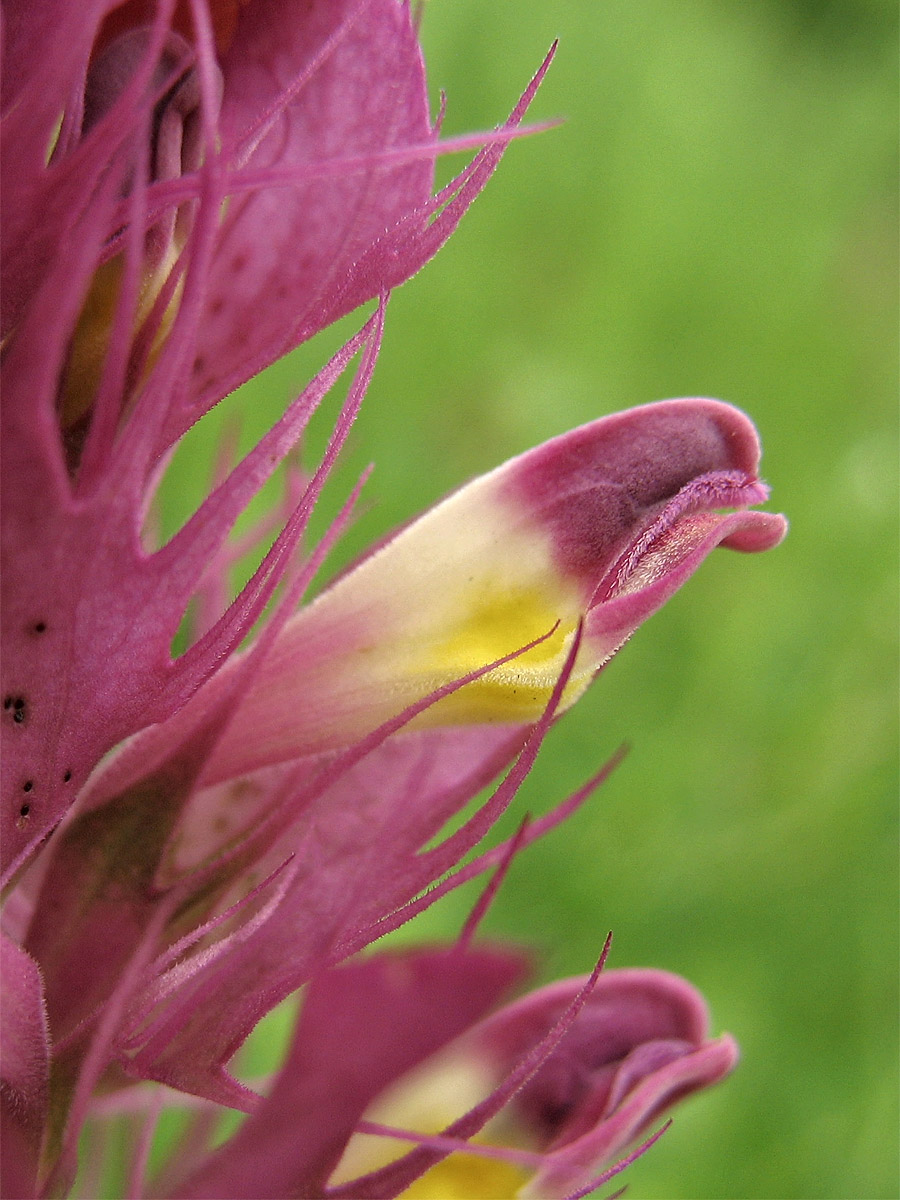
(191, 188)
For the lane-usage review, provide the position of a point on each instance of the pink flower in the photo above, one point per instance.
(393, 1040)
(189, 193)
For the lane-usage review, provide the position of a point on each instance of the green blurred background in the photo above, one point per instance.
(716, 216)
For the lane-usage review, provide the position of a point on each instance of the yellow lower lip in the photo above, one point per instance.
(495, 620)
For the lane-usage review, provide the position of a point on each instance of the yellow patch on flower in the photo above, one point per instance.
(496, 617)
(428, 1099)
(465, 1176)
(499, 615)
(471, 582)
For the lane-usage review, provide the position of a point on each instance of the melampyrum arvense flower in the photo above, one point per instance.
(190, 190)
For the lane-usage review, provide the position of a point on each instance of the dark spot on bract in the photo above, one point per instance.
(24, 810)
(199, 364)
(216, 306)
(67, 776)
(19, 716)
(239, 262)
(27, 785)
(40, 627)
(7, 702)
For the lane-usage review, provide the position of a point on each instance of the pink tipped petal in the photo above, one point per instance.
(669, 561)
(393, 1179)
(602, 525)
(600, 489)
(639, 1045)
(657, 1077)
(762, 532)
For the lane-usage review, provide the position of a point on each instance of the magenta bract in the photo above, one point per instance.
(130, 290)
